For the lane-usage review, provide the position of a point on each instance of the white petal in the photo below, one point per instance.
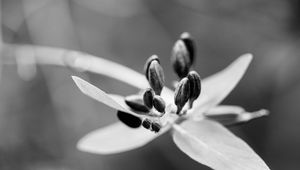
(209, 143)
(216, 87)
(97, 94)
(116, 138)
(229, 115)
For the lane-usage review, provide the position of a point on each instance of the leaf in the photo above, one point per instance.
(216, 87)
(99, 95)
(211, 144)
(230, 115)
(116, 138)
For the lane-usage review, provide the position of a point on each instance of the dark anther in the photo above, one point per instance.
(129, 120)
(195, 86)
(146, 123)
(155, 127)
(136, 103)
(148, 97)
(159, 104)
(156, 77)
(182, 94)
(148, 62)
(180, 59)
(190, 45)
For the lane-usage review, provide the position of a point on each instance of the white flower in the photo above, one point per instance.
(198, 133)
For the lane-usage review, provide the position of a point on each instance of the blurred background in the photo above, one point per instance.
(43, 114)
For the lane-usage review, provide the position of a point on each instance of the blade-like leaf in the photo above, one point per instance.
(99, 95)
(116, 138)
(230, 115)
(216, 87)
(211, 144)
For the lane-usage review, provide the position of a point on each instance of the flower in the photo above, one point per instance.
(197, 127)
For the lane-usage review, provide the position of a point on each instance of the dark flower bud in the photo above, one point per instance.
(159, 104)
(156, 77)
(180, 59)
(129, 119)
(155, 127)
(136, 103)
(146, 123)
(195, 86)
(190, 45)
(182, 94)
(148, 62)
(148, 97)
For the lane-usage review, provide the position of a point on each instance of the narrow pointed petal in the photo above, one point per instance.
(230, 115)
(211, 144)
(216, 87)
(116, 138)
(97, 94)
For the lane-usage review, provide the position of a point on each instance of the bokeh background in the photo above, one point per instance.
(43, 114)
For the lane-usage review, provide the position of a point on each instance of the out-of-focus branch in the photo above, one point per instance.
(75, 60)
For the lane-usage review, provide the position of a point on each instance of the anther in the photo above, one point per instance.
(129, 120)
(156, 76)
(148, 62)
(136, 103)
(182, 94)
(190, 45)
(148, 97)
(159, 104)
(146, 123)
(195, 86)
(155, 127)
(180, 59)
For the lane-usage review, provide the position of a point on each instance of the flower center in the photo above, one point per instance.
(150, 104)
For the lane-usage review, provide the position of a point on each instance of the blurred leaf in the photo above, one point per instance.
(216, 87)
(213, 145)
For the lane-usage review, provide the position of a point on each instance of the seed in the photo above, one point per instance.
(129, 120)
(148, 97)
(195, 85)
(190, 45)
(159, 104)
(156, 77)
(182, 94)
(148, 62)
(180, 59)
(136, 103)
(155, 127)
(146, 123)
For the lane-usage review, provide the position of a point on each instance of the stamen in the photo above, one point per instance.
(146, 123)
(136, 103)
(159, 104)
(155, 127)
(148, 97)
(190, 45)
(129, 120)
(180, 59)
(182, 94)
(156, 77)
(195, 86)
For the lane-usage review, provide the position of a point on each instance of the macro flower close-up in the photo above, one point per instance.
(192, 112)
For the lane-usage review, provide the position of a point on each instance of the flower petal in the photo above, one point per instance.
(216, 87)
(211, 144)
(99, 95)
(116, 138)
(230, 115)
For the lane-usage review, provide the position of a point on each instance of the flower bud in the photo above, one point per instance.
(155, 127)
(182, 94)
(156, 77)
(136, 103)
(180, 59)
(195, 85)
(146, 123)
(190, 45)
(129, 120)
(159, 104)
(148, 97)
(148, 62)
